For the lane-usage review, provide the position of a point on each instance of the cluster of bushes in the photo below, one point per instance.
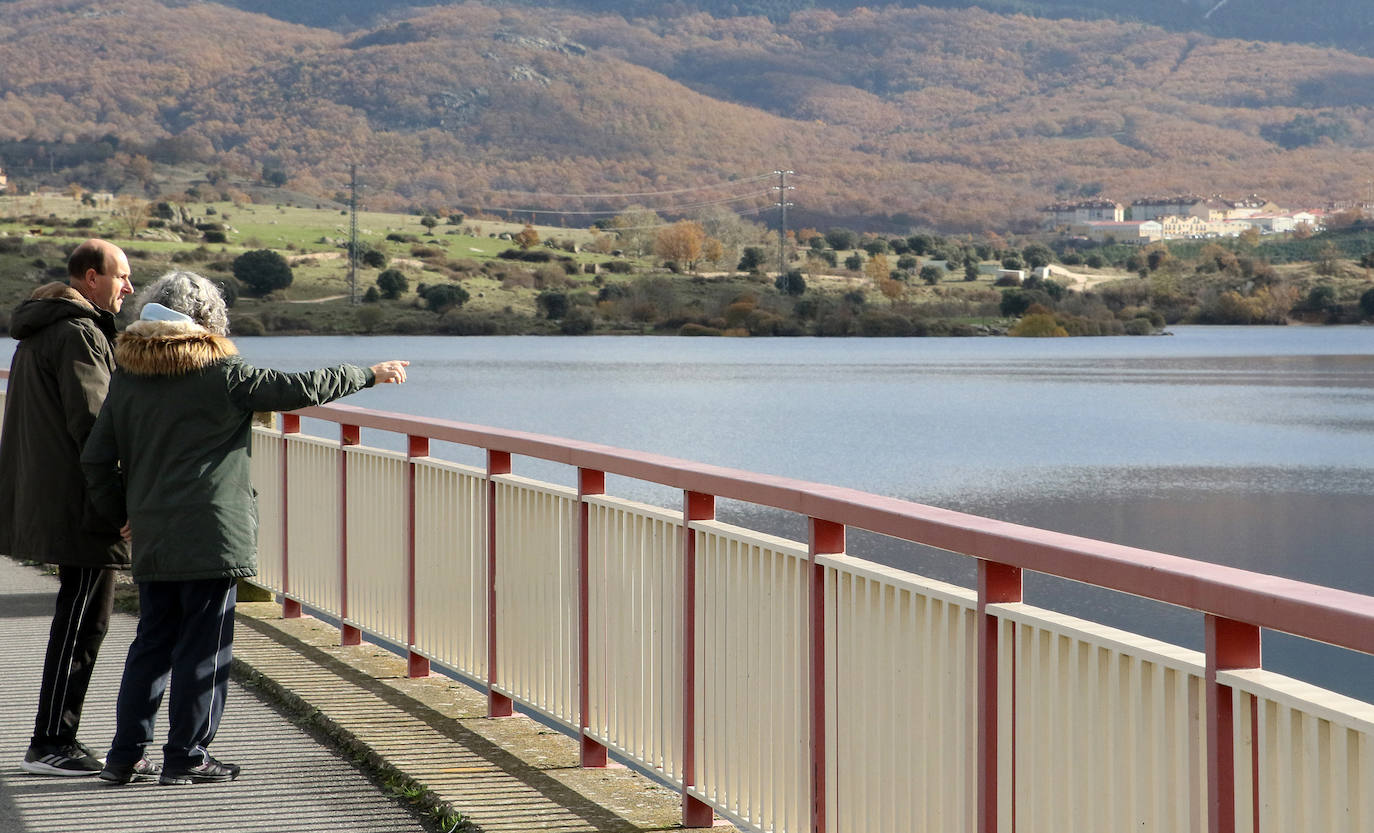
(1046, 308)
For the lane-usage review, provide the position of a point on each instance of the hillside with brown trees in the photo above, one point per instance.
(959, 120)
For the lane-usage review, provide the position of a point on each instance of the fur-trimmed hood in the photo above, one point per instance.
(169, 348)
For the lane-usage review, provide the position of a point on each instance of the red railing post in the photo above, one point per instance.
(416, 446)
(696, 507)
(290, 608)
(826, 537)
(348, 634)
(997, 583)
(498, 705)
(589, 482)
(1230, 645)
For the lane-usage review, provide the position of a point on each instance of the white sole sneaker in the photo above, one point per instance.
(51, 765)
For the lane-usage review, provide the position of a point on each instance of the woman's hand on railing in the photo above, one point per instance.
(390, 372)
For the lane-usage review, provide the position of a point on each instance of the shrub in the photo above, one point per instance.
(262, 271)
(216, 237)
(554, 305)
(616, 291)
(1320, 297)
(840, 238)
(619, 267)
(791, 283)
(550, 277)
(191, 255)
(694, 329)
(373, 259)
(1139, 327)
(246, 325)
(751, 259)
(392, 284)
(1367, 303)
(530, 255)
(1038, 325)
(1016, 302)
(578, 322)
(444, 296)
(527, 238)
(884, 323)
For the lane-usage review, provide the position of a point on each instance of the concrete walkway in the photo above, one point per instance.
(317, 727)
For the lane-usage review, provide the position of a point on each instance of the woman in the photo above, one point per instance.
(169, 454)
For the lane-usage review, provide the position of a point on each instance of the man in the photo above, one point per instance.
(58, 379)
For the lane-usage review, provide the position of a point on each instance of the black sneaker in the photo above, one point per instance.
(73, 759)
(208, 771)
(141, 770)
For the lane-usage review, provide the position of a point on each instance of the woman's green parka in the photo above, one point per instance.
(170, 450)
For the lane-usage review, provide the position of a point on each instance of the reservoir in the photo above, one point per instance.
(1246, 446)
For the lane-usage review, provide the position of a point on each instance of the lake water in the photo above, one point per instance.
(1252, 447)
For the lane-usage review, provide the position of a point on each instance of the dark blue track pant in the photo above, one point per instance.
(185, 635)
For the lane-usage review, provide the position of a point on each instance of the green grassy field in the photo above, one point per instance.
(315, 242)
(502, 292)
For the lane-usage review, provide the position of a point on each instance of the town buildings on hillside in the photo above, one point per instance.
(1172, 218)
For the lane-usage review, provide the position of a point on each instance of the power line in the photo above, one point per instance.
(750, 211)
(542, 194)
(670, 208)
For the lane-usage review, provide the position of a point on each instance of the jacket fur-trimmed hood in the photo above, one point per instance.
(53, 302)
(169, 348)
(57, 289)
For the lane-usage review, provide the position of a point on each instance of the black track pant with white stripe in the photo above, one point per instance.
(85, 597)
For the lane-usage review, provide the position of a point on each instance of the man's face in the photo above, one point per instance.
(107, 291)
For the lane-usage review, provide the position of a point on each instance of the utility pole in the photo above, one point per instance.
(353, 235)
(782, 188)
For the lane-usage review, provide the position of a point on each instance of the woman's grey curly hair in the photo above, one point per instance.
(191, 294)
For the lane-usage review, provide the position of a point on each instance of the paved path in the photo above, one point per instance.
(430, 736)
(290, 781)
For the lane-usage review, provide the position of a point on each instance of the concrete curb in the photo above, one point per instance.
(337, 736)
(429, 741)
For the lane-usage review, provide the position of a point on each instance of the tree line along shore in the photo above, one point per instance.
(285, 267)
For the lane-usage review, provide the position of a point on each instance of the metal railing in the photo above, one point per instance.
(792, 686)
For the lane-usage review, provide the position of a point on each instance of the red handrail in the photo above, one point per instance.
(1326, 614)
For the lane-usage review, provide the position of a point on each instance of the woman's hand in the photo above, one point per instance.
(393, 372)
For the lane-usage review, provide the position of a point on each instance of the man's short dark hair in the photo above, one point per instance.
(88, 255)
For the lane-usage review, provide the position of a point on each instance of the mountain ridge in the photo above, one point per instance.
(1347, 24)
(955, 119)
